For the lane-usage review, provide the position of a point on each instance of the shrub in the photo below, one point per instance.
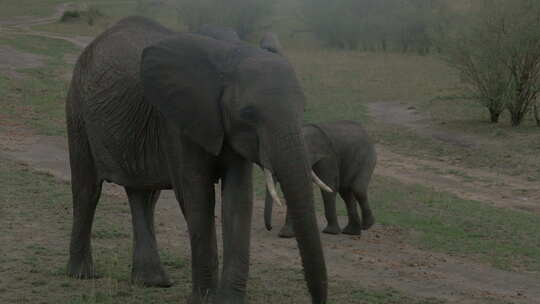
(244, 16)
(498, 57)
(70, 15)
(90, 14)
(403, 25)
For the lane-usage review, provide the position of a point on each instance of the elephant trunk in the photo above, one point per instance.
(290, 165)
(272, 196)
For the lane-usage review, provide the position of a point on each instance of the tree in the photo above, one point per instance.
(498, 57)
(373, 24)
(245, 16)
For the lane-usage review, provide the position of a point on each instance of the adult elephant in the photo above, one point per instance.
(150, 109)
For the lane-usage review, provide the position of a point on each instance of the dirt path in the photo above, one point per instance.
(379, 259)
(474, 184)
(23, 25)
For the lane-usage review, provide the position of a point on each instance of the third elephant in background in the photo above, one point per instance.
(343, 156)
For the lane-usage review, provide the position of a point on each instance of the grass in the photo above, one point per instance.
(41, 8)
(339, 84)
(112, 12)
(438, 221)
(34, 235)
(56, 49)
(36, 99)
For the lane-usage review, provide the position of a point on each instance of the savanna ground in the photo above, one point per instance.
(457, 200)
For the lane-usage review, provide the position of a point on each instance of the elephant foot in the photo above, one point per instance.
(332, 229)
(151, 277)
(82, 269)
(286, 232)
(353, 229)
(197, 298)
(368, 222)
(229, 298)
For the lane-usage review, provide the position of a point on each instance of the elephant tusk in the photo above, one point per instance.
(272, 186)
(320, 183)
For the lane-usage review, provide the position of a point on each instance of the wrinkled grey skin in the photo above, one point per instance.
(150, 109)
(219, 33)
(344, 158)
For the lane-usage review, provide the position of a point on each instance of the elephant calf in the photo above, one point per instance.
(343, 157)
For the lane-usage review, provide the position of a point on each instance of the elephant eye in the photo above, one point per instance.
(249, 114)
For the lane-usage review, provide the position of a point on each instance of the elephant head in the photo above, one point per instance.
(251, 101)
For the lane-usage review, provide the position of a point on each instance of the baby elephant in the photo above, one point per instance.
(343, 157)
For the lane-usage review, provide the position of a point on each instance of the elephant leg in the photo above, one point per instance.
(367, 215)
(359, 188)
(86, 190)
(287, 229)
(329, 200)
(147, 268)
(237, 201)
(354, 227)
(191, 170)
(199, 213)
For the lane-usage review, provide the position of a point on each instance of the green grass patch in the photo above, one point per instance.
(41, 8)
(111, 12)
(36, 99)
(506, 238)
(37, 204)
(54, 48)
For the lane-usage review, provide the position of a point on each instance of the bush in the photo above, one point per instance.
(244, 16)
(90, 15)
(70, 15)
(498, 57)
(402, 25)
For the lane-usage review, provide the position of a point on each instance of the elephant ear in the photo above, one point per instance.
(182, 78)
(318, 144)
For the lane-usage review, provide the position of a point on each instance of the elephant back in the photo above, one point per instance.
(116, 53)
(120, 126)
(353, 146)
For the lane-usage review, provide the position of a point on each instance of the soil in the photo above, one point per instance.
(379, 258)
(474, 184)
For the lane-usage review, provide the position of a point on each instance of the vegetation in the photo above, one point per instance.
(374, 24)
(69, 15)
(34, 268)
(90, 15)
(443, 222)
(245, 16)
(498, 57)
